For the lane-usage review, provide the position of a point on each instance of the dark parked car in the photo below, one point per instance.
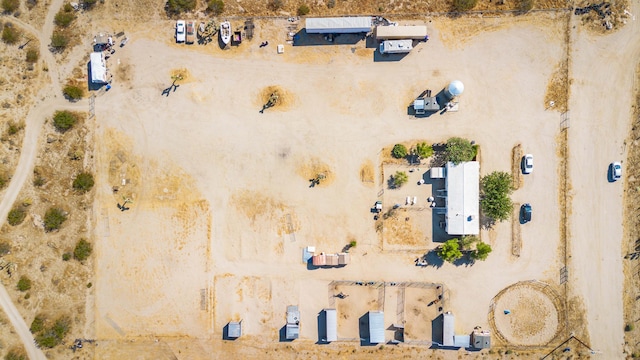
(525, 213)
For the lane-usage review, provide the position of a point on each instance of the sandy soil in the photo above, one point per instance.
(251, 184)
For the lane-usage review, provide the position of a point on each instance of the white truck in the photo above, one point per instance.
(180, 31)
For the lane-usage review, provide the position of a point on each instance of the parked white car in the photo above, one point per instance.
(180, 31)
(615, 171)
(527, 164)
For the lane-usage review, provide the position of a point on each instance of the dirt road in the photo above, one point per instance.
(597, 133)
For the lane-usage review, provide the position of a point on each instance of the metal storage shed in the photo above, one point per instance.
(98, 68)
(331, 317)
(234, 330)
(447, 329)
(332, 259)
(338, 25)
(292, 330)
(481, 339)
(376, 327)
(401, 32)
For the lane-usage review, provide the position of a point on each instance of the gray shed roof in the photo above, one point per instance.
(235, 329)
(376, 327)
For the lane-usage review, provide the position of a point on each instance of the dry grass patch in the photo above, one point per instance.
(517, 178)
(367, 173)
(182, 76)
(558, 89)
(399, 230)
(285, 98)
(313, 168)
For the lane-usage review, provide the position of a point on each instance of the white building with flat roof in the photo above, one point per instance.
(462, 183)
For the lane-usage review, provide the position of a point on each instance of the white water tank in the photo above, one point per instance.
(454, 89)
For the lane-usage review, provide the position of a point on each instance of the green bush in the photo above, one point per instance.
(10, 6)
(83, 182)
(37, 324)
(64, 120)
(66, 256)
(24, 283)
(459, 150)
(89, 285)
(399, 178)
(179, 6)
(38, 181)
(450, 250)
(15, 354)
(59, 40)
(51, 336)
(5, 248)
(53, 219)
(16, 216)
(10, 34)
(495, 191)
(481, 252)
(423, 150)
(303, 10)
(65, 17)
(13, 128)
(82, 250)
(399, 151)
(464, 5)
(353, 243)
(629, 327)
(73, 92)
(216, 6)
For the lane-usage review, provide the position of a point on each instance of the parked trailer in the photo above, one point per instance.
(396, 46)
(338, 25)
(418, 32)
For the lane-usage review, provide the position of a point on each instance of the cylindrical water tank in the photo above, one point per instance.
(455, 89)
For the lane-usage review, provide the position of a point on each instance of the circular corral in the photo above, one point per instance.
(526, 314)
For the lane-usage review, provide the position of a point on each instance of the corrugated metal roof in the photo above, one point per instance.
(335, 25)
(331, 324)
(376, 327)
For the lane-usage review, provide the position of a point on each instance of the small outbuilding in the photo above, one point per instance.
(292, 330)
(331, 324)
(481, 339)
(98, 68)
(343, 258)
(376, 327)
(448, 321)
(234, 330)
(418, 32)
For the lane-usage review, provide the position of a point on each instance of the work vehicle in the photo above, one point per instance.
(191, 32)
(527, 164)
(180, 32)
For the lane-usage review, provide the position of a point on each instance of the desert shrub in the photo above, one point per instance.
(89, 3)
(66, 256)
(331, 4)
(10, 34)
(303, 10)
(32, 55)
(73, 92)
(50, 336)
(24, 283)
(65, 16)
(32, 3)
(423, 150)
(83, 182)
(275, 5)
(399, 151)
(37, 324)
(82, 250)
(353, 243)
(89, 285)
(179, 6)
(629, 327)
(10, 6)
(464, 5)
(459, 150)
(5, 248)
(525, 5)
(13, 128)
(38, 180)
(64, 120)
(3, 180)
(15, 354)
(53, 219)
(59, 40)
(399, 178)
(16, 216)
(216, 6)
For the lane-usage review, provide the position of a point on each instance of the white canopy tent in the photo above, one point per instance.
(98, 68)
